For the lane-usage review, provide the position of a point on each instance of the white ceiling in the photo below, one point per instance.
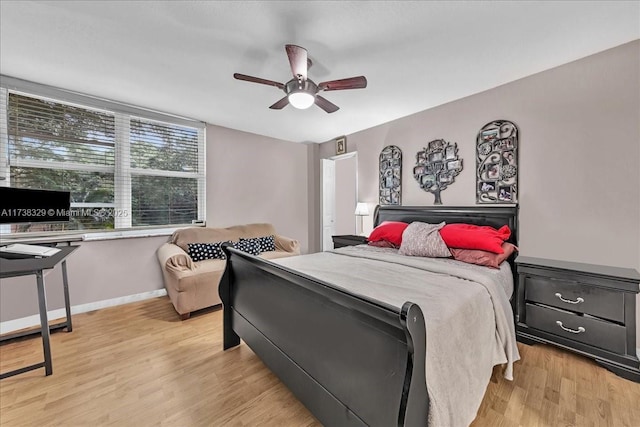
(179, 56)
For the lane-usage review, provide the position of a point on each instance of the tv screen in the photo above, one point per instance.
(19, 205)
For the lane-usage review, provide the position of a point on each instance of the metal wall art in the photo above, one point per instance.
(497, 163)
(391, 175)
(437, 166)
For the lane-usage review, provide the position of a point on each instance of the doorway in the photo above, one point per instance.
(339, 197)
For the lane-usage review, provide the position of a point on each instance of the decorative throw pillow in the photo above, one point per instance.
(250, 246)
(202, 251)
(422, 239)
(267, 243)
(488, 259)
(469, 236)
(390, 231)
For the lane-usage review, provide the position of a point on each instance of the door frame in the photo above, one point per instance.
(323, 190)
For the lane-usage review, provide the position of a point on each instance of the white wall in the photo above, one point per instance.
(579, 156)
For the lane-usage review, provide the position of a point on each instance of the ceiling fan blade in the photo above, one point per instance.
(342, 84)
(280, 104)
(298, 60)
(326, 105)
(258, 80)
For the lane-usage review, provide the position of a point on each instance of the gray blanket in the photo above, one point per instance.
(468, 317)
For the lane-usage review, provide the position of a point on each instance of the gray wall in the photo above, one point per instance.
(253, 178)
(250, 178)
(98, 271)
(579, 156)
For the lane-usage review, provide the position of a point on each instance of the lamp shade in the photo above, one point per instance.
(362, 209)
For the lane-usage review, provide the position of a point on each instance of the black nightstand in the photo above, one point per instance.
(348, 240)
(585, 308)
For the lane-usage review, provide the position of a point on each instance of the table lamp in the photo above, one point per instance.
(362, 209)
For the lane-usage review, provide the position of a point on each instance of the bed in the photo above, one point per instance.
(355, 357)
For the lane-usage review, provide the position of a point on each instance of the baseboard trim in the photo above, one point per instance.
(30, 321)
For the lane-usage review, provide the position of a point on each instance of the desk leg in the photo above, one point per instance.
(67, 303)
(44, 324)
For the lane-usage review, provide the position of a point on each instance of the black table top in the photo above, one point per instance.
(602, 270)
(350, 236)
(24, 266)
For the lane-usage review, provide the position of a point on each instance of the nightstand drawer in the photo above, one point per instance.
(587, 330)
(574, 296)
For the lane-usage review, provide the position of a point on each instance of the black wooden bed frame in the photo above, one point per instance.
(351, 361)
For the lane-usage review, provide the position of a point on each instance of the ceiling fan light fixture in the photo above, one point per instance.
(301, 100)
(301, 92)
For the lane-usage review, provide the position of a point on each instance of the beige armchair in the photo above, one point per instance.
(193, 285)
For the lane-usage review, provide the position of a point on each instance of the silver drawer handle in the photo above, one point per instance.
(577, 301)
(573, 331)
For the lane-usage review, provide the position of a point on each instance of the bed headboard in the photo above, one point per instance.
(495, 216)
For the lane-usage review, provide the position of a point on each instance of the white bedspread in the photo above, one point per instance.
(468, 317)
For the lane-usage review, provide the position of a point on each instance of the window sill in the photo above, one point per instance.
(92, 236)
(129, 234)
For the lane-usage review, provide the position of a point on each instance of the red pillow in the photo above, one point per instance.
(468, 236)
(390, 231)
(488, 259)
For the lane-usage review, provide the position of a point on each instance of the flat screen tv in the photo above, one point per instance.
(20, 205)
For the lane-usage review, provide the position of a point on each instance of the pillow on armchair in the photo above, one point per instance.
(203, 251)
(265, 243)
(250, 246)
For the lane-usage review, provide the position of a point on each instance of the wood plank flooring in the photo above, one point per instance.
(138, 365)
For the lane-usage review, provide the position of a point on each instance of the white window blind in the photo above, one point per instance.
(164, 173)
(122, 170)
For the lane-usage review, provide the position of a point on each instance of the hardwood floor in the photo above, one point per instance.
(139, 365)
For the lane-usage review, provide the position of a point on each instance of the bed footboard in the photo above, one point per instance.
(351, 361)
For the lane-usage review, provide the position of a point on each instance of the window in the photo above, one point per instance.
(164, 182)
(123, 169)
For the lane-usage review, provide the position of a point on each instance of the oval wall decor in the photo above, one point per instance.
(497, 163)
(390, 175)
(437, 165)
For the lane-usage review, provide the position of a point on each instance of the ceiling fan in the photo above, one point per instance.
(301, 91)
